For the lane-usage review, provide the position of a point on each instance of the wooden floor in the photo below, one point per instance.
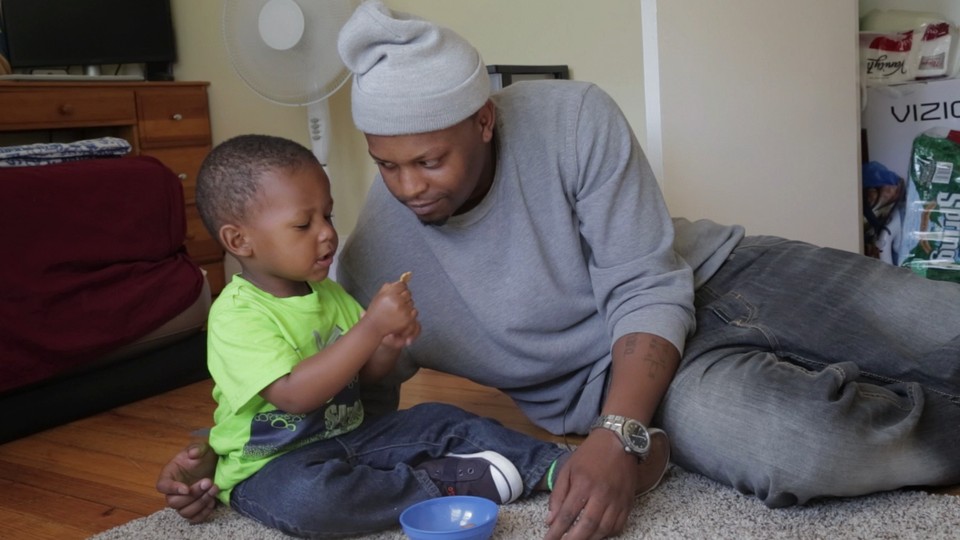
(83, 478)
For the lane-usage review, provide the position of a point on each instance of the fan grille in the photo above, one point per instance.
(308, 72)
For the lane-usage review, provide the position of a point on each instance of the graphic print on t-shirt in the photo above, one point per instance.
(273, 431)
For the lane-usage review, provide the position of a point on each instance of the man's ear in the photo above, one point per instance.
(486, 118)
(234, 240)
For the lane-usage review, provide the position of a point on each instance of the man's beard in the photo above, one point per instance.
(439, 222)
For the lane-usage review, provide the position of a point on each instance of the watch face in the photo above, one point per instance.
(636, 436)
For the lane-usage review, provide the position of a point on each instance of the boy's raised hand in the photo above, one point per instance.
(392, 311)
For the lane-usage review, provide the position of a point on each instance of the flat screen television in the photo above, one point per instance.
(87, 33)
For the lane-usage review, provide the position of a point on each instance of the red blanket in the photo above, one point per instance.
(93, 259)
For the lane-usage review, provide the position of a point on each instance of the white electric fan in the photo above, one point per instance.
(286, 51)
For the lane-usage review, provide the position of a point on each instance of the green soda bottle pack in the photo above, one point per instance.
(931, 220)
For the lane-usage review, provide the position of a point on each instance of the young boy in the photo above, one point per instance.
(289, 348)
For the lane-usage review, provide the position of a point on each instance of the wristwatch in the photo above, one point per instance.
(632, 433)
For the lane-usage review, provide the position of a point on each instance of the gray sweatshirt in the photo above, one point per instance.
(571, 249)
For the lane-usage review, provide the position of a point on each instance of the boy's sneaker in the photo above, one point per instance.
(484, 474)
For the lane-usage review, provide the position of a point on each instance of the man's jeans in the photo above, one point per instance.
(360, 482)
(815, 372)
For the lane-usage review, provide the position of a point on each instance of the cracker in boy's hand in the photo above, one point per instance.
(405, 277)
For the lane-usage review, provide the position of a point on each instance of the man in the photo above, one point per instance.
(548, 266)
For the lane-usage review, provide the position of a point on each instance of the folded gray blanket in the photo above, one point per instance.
(47, 153)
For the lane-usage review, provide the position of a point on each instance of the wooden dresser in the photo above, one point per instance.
(166, 120)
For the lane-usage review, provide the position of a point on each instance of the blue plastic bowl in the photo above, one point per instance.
(458, 517)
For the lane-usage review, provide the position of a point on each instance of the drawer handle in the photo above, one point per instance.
(177, 117)
(182, 176)
(66, 109)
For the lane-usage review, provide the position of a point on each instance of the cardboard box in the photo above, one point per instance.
(894, 115)
(924, 232)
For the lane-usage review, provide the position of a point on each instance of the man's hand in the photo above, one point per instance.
(593, 493)
(186, 482)
(597, 472)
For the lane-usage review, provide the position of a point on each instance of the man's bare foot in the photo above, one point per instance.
(651, 471)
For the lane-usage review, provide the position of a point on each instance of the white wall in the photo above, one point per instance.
(759, 101)
(760, 115)
(600, 41)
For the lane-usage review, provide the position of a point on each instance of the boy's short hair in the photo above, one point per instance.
(230, 175)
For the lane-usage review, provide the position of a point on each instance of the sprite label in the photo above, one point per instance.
(931, 226)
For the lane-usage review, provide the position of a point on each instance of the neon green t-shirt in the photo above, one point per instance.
(253, 339)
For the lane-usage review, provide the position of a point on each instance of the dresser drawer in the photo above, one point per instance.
(215, 276)
(173, 117)
(200, 245)
(185, 163)
(45, 109)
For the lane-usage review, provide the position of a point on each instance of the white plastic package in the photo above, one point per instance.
(899, 46)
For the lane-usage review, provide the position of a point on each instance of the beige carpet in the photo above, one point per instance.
(685, 506)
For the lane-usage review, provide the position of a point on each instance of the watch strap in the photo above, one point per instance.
(615, 423)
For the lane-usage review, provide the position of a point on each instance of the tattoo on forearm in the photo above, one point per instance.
(654, 356)
(630, 345)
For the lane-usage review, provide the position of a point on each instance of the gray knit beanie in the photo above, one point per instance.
(410, 75)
